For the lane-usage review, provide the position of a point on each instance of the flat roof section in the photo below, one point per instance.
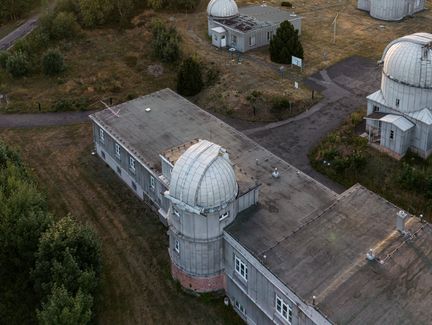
(265, 13)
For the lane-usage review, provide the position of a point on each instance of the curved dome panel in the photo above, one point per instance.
(203, 177)
(409, 63)
(222, 8)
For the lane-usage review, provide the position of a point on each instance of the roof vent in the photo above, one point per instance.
(275, 173)
(371, 255)
(401, 219)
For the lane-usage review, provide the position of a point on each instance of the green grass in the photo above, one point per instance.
(347, 159)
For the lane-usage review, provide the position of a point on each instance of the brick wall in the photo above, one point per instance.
(198, 284)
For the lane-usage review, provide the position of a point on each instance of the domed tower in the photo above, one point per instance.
(202, 192)
(221, 9)
(406, 83)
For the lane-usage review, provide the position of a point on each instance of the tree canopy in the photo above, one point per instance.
(285, 44)
(189, 78)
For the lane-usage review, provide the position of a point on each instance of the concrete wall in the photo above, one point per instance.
(138, 181)
(258, 294)
(392, 10)
(411, 99)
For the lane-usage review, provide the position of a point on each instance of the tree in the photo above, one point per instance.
(69, 254)
(64, 308)
(18, 64)
(189, 78)
(95, 12)
(4, 56)
(53, 62)
(187, 4)
(285, 44)
(64, 26)
(166, 42)
(13, 9)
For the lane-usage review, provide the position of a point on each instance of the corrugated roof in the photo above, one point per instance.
(424, 115)
(399, 121)
(377, 97)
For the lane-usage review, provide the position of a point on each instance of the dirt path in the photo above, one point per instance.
(21, 31)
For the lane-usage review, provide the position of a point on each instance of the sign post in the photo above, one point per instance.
(297, 61)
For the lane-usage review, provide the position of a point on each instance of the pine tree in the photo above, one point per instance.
(189, 78)
(285, 44)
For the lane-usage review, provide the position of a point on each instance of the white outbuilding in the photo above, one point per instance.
(391, 9)
(399, 115)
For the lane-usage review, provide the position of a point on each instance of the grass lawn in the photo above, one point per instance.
(346, 158)
(136, 283)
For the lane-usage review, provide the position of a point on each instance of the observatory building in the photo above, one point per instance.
(399, 115)
(284, 248)
(391, 9)
(245, 28)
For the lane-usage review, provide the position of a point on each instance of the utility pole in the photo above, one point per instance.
(334, 23)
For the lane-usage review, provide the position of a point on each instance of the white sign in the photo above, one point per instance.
(295, 84)
(297, 61)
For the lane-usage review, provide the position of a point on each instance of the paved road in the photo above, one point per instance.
(344, 87)
(24, 29)
(43, 119)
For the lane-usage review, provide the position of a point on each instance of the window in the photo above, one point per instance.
(117, 150)
(224, 216)
(118, 170)
(376, 108)
(152, 183)
(176, 213)
(101, 136)
(283, 309)
(240, 307)
(103, 154)
(397, 102)
(391, 134)
(269, 35)
(132, 164)
(234, 40)
(177, 246)
(241, 268)
(134, 186)
(252, 41)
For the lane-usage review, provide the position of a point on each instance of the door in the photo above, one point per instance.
(223, 41)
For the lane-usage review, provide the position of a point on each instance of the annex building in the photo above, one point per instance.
(399, 115)
(283, 247)
(245, 28)
(391, 10)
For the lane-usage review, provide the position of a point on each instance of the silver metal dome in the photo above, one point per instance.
(409, 60)
(222, 8)
(203, 177)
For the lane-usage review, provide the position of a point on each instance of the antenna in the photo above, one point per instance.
(116, 114)
(334, 23)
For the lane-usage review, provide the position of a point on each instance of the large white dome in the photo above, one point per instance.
(203, 177)
(222, 8)
(408, 60)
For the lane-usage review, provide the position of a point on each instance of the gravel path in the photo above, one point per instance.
(23, 30)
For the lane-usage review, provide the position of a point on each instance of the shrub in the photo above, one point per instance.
(166, 42)
(280, 105)
(53, 62)
(18, 64)
(95, 12)
(4, 56)
(285, 44)
(64, 26)
(286, 4)
(189, 78)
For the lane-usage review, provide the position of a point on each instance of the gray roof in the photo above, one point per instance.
(314, 240)
(326, 258)
(203, 177)
(399, 121)
(265, 13)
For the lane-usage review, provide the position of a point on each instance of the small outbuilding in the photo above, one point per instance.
(391, 10)
(245, 28)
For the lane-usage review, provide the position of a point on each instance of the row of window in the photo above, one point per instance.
(223, 216)
(132, 160)
(282, 307)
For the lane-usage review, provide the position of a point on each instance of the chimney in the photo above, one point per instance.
(401, 219)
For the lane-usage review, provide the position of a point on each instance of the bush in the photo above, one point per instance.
(95, 12)
(53, 62)
(286, 4)
(166, 42)
(285, 44)
(18, 64)
(280, 105)
(189, 78)
(64, 26)
(4, 56)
